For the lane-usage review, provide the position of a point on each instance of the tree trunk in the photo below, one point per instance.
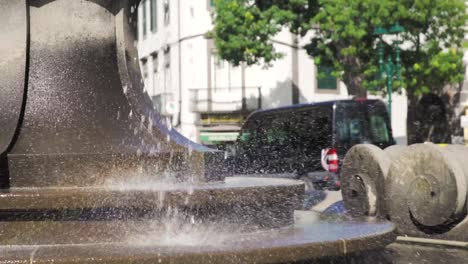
(424, 122)
(354, 84)
(451, 98)
(412, 122)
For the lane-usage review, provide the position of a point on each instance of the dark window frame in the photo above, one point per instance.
(167, 12)
(145, 18)
(154, 15)
(327, 83)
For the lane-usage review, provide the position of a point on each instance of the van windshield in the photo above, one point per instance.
(365, 122)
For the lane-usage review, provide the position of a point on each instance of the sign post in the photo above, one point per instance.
(389, 68)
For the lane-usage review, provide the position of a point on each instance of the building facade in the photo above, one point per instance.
(206, 98)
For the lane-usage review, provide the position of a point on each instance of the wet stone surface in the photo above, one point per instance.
(311, 237)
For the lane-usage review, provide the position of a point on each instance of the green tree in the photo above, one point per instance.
(342, 37)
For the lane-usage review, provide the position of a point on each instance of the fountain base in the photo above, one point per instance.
(311, 236)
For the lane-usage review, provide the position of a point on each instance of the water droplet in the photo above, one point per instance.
(150, 126)
(190, 150)
(142, 122)
(161, 195)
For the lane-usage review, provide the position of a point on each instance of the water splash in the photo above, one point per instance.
(177, 231)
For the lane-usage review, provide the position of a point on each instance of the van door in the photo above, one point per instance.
(314, 133)
(281, 142)
(247, 147)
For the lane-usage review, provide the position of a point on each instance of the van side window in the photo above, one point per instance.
(379, 129)
(361, 123)
(351, 125)
(379, 124)
(349, 130)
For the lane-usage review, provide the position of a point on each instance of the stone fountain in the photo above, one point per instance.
(89, 172)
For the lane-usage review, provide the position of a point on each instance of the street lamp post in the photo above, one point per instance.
(389, 68)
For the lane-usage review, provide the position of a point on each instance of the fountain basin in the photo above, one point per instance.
(311, 236)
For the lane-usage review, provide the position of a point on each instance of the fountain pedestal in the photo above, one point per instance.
(81, 116)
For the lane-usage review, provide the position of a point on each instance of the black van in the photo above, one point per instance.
(309, 141)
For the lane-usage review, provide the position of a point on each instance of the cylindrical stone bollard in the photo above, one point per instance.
(460, 153)
(426, 189)
(395, 151)
(365, 168)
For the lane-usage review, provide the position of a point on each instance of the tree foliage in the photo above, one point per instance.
(244, 28)
(341, 35)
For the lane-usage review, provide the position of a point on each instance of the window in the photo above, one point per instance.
(325, 79)
(362, 123)
(154, 15)
(144, 69)
(379, 124)
(166, 12)
(167, 69)
(211, 4)
(154, 57)
(167, 57)
(379, 129)
(219, 63)
(350, 125)
(223, 74)
(144, 18)
(352, 129)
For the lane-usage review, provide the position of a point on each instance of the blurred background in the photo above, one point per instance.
(208, 98)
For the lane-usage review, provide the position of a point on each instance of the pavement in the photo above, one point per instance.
(396, 253)
(400, 253)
